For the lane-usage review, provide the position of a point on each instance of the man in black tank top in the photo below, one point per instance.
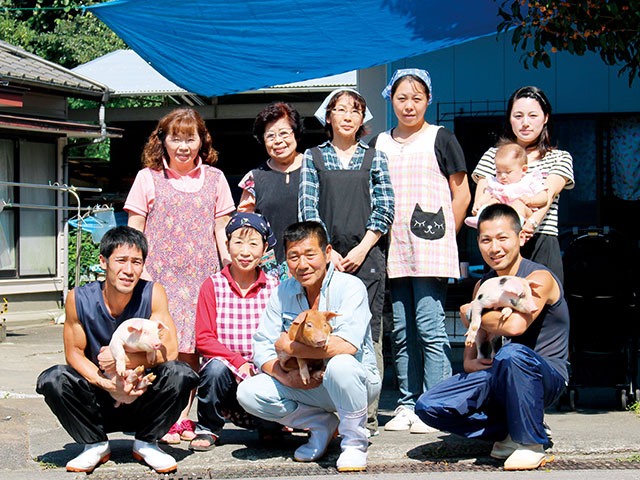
(80, 394)
(504, 399)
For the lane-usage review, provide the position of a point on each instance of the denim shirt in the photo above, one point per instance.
(341, 293)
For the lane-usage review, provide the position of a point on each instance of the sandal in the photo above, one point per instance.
(172, 437)
(186, 429)
(212, 439)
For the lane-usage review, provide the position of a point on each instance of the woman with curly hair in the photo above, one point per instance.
(182, 204)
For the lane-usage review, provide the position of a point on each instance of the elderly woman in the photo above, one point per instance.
(345, 185)
(272, 188)
(182, 204)
(528, 114)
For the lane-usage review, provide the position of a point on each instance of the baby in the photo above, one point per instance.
(511, 185)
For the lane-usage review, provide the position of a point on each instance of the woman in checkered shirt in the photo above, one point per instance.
(229, 308)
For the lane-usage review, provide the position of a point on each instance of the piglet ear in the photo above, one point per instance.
(330, 315)
(513, 286)
(162, 325)
(534, 284)
(300, 318)
(136, 325)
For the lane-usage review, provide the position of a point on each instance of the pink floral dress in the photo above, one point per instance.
(182, 247)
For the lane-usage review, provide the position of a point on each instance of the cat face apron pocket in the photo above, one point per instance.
(427, 225)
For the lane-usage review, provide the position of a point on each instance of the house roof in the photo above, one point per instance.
(21, 68)
(128, 74)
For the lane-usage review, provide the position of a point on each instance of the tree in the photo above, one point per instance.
(608, 27)
(56, 30)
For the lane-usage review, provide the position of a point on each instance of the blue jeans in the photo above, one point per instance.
(419, 339)
(508, 398)
(347, 385)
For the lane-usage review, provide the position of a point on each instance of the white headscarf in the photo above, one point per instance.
(321, 112)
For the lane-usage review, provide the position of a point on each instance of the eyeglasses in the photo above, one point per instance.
(271, 137)
(341, 112)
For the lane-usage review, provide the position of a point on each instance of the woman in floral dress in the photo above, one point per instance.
(182, 204)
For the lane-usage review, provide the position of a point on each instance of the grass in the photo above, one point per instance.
(634, 407)
(44, 464)
(632, 458)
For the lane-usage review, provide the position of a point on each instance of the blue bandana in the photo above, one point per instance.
(421, 74)
(255, 221)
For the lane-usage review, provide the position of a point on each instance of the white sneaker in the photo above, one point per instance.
(527, 457)
(504, 448)
(160, 461)
(402, 420)
(93, 455)
(420, 427)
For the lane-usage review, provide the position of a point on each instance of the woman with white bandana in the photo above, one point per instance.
(428, 174)
(345, 185)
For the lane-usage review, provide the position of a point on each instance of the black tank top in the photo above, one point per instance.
(97, 322)
(548, 335)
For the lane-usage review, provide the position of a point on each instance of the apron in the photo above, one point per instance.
(345, 206)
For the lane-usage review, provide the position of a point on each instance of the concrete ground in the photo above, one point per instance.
(596, 441)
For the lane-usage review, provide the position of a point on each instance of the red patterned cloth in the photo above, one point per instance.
(226, 321)
(182, 246)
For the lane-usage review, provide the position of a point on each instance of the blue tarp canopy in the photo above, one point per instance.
(217, 47)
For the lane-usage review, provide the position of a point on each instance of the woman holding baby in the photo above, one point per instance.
(528, 115)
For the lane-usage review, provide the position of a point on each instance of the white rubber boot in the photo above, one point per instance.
(93, 455)
(151, 454)
(354, 441)
(322, 427)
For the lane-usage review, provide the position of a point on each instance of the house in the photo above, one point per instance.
(34, 133)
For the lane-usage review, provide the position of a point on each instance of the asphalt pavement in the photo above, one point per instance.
(595, 441)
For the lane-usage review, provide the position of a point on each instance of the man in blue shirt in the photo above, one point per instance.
(351, 378)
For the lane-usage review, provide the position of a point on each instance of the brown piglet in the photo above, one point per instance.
(311, 328)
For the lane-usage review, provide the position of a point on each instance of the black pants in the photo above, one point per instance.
(217, 401)
(87, 412)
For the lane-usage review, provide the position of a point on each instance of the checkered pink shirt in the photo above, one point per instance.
(226, 321)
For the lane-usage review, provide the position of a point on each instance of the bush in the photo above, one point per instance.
(89, 255)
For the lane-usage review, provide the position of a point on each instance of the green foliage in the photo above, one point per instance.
(608, 27)
(89, 255)
(634, 407)
(67, 36)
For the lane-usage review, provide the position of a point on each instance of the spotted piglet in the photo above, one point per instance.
(507, 292)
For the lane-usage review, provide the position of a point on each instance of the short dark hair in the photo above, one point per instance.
(302, 230)
(123, 235)
(358, 101)
(499, 210)
(274, 112)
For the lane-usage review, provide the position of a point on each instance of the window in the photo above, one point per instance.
(29, 234)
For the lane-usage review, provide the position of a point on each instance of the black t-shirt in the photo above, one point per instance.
(448, 152)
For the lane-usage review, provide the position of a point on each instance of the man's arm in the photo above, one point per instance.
(335, 346)
(517, 323)
(75, 342)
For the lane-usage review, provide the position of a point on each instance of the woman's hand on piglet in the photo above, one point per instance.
(283, 343)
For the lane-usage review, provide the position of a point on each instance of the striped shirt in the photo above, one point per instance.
(381, 192)
(556, 162)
